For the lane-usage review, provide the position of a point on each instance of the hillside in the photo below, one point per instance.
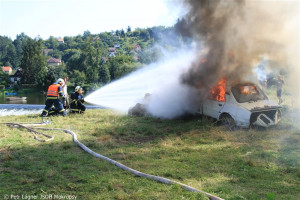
(91, 59)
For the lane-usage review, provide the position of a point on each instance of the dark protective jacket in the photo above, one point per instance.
(75, 96)
(77, 102)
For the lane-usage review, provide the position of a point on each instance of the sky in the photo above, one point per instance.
(61, 18)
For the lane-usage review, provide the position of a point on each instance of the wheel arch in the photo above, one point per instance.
(223, 114)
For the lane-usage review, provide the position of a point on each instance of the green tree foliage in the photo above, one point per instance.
(114, 63)
(86, 34)
(67, 54)
(33, 63)
(53, 73)
(126, 68)
(122, 33)
(7, 51)
(19, 43)
(52, 43)
(4, 79)
(57, 54)
(78, 77)
(104, 75)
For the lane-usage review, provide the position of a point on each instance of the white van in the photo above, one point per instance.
(243, 105)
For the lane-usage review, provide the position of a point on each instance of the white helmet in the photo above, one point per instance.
(78, 88)
(60, 80)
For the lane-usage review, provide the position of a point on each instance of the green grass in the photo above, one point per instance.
(244, 164)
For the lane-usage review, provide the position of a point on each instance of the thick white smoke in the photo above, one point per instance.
(169, 98)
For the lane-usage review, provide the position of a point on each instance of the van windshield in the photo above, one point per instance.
(247, 92)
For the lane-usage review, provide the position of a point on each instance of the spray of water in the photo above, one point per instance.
(162, 80)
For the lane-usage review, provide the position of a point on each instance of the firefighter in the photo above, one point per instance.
(279, 84)
(77, 101)
(53, 94)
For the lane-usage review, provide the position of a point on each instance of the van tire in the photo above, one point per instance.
(227, 121)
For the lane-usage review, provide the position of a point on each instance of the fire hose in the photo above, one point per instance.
(30, 127)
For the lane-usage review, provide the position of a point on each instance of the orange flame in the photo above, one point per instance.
(218, 92)
(248, 90)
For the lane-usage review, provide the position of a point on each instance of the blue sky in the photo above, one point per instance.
(72, 17)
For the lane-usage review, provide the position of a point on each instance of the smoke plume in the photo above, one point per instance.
(237, 34)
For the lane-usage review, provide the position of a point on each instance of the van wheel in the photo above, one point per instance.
(228, 122)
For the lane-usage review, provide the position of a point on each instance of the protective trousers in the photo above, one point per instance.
(77, 107)
(58, 105)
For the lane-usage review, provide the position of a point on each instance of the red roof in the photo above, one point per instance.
(60, 40)
(6, 68)
(53, 60)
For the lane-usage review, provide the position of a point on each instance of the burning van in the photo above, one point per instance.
(242, 105)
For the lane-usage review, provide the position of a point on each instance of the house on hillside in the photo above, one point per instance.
(16, 77)
(60, 40)
(54, 61)
(112, 49)
(7, 69)
(117, 45)
(116, 37)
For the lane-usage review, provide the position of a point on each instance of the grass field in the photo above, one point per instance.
(244, 164)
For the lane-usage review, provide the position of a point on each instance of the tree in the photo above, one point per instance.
(52, 43)
(117, 33)
(128, 29)
(53, 73)
(127, 68)
(78, 77)
(19, 44)
(89, 62)
(104, 76)
(33, 63)
(4, 79)
(91, 73)
(86, 34)
(7, 51)
(75, 63)
(145, 34)
(67, 54)
(11, 55)
(114, 64)
(123, 33)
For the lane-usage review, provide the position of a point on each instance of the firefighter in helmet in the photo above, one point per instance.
(53, 94)
(77, 101)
